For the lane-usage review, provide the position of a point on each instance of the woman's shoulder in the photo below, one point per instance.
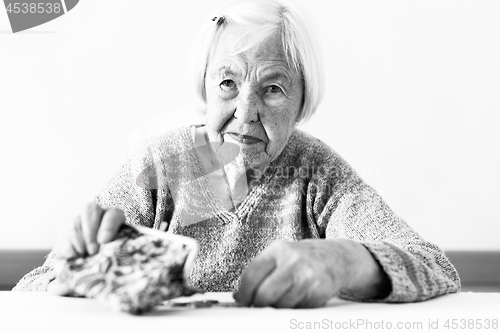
(152, 155)
(168, 142)
(307, 147)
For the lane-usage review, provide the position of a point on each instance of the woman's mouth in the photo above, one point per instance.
(245, 139)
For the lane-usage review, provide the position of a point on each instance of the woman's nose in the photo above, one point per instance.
(247, 106)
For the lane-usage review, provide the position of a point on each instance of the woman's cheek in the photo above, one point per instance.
(278, 125)
(281, 116)
(219, 112)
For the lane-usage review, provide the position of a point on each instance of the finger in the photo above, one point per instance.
(111, 222)
(253, 276)
(75, 236)
(57, 288)
(315, 295)
(64, 248)
(312, 301)
(273, 287)
(292, 298)
(90, 221)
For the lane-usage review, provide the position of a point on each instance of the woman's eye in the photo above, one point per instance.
(274, 89)
(227, 84)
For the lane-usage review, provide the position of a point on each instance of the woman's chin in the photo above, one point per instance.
(252, 159)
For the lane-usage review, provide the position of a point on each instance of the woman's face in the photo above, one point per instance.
(253, 98)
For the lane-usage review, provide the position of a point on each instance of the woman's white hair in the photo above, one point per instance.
(263, 18)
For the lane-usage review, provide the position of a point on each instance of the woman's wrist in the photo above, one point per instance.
(365, 277)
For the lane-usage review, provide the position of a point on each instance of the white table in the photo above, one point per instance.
(43, 312)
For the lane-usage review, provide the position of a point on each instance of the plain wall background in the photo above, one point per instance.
(412, 102)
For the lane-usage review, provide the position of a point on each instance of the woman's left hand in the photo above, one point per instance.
(309, 272)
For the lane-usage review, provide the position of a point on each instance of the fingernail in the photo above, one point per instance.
(93, 248)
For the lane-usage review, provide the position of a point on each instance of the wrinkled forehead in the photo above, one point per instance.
(237, 42)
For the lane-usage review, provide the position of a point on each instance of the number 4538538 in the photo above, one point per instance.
(475, 324)
(34, 8)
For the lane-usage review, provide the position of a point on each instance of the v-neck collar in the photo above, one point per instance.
(250, 201)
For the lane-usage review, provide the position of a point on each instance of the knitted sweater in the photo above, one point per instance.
(309, 191)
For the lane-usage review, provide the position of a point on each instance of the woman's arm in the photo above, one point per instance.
(417, 269)
(309, 272)
(367, 254)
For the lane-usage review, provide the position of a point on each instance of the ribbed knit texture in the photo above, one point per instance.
(308, 192)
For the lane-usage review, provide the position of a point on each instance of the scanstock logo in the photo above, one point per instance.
(26, 14)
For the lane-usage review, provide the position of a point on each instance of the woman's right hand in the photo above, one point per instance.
(83, 236)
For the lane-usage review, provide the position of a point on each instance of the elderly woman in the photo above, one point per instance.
(281, 219)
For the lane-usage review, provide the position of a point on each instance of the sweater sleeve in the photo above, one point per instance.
(418, 270)
(39, 278)
(132, 189)
(128, 190)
